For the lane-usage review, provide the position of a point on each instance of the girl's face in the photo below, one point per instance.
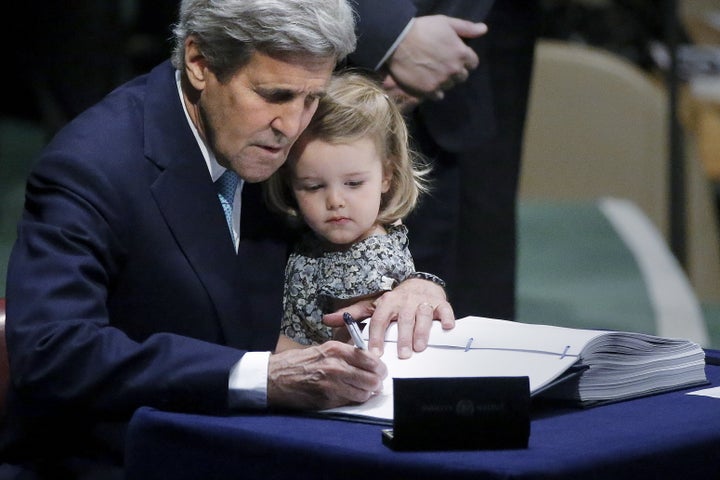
(338, 188)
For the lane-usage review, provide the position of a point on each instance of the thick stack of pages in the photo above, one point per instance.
(584, 367)
(624, 365)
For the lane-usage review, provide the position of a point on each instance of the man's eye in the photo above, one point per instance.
(279, 96)
(311, 99)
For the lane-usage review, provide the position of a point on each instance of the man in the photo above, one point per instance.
(127, 286)
(465, 86)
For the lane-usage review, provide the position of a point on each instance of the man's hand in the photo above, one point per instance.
(413, 304)
(323, 376)
(405, 102)
(433, 57)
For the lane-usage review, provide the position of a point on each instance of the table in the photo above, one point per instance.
(671, 435)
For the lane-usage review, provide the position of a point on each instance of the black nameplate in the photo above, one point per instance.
(460, 413)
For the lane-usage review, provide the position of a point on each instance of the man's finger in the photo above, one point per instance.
(423, 323)
(444, 312)
(406, 327)
(466, 28)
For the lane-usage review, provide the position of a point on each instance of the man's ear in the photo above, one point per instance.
(195, 64)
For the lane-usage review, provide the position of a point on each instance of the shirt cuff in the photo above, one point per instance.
(248, 381)
(394, 46)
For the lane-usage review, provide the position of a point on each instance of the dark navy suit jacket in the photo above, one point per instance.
(123, 287)
(465, 117)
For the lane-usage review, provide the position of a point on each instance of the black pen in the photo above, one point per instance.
(354, 330)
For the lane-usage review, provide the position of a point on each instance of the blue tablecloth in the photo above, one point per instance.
(673, 435)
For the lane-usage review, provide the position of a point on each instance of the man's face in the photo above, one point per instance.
(251, 121)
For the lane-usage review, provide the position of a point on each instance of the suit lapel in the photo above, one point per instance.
(187, 199)
(245, 288)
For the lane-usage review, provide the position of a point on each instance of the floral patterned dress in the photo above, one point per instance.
(317, 281)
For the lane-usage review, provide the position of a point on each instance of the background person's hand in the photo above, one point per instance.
(433, 56)
(323, 376)
(405, 101)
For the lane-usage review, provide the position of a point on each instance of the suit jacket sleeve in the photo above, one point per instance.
(123, 286)
(465, 118)
(379, 24)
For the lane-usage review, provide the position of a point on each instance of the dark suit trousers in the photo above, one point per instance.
(465, 230)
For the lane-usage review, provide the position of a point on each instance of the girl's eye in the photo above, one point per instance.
(354, 183)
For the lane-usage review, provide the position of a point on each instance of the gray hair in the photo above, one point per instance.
(228, 32)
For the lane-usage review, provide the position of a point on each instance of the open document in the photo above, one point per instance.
(580, 366)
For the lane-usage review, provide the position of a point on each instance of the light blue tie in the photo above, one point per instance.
(226, 185)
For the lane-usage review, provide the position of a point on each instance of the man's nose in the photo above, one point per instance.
(292, 118)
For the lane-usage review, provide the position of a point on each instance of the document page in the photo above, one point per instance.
(477, 347)
(494, 334)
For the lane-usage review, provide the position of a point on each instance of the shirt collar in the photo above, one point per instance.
(215, 169)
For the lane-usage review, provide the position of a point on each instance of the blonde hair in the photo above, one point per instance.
(357, 107)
